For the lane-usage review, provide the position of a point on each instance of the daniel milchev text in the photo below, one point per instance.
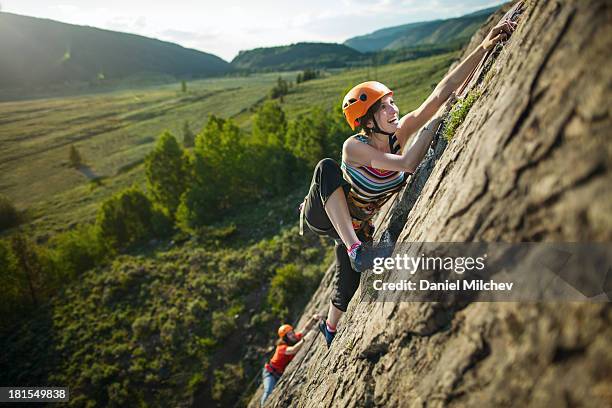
(413, 264)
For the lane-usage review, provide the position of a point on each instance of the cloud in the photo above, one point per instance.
(131, 24)
(64, 8)
(187, 36)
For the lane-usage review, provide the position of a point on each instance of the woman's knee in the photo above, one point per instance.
(327, 165)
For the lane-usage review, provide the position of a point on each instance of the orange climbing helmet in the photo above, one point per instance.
(359, 99)
(284, 329)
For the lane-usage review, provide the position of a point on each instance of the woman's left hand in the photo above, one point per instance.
(500, 32)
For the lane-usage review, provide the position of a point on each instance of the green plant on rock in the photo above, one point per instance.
(458, 113)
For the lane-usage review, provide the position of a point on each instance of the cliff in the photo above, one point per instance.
(530, 162)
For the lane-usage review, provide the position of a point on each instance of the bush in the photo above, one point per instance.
(287, 288)
(223, 324)
(125, 219)
(76, 251)
(9, 217)
(228, 384)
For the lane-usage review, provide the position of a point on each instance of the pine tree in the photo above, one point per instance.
(75, 157)
(188, 136)
(183, 86)
(275, 162)
(270, 124)
(166, 171)
(29, 268)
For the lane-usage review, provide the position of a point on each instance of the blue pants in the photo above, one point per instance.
(269, 381)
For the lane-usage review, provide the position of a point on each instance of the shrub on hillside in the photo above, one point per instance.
(9, 217)
(126, 219)
(287, 288)
(228, 384)
(76, 251)
(223, 324)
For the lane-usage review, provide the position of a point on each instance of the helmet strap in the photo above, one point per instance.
(377, 128)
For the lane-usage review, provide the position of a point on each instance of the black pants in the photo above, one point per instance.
(326, 179)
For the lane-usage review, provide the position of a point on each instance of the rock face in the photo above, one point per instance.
(531, 162)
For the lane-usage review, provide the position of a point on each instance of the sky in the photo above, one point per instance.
(225, 27)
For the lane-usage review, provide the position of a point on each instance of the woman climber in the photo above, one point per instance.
(289, 342)
(343, 198)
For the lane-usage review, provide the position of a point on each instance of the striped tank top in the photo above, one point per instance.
(371, 187)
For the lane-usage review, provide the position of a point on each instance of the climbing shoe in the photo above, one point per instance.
(329, 336)
(361, 258)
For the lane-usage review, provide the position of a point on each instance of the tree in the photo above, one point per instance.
(219, 167)
(75, 157)
(309, 74)
(274, 161)
(10, 290)
(188, 135)
(183, 86)
(270, 124)
(306, 137)
(29, 269)
(281, 88)
(167, 173)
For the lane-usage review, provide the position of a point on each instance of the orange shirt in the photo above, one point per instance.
(280, 360)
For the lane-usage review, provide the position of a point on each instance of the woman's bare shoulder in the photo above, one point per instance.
(353, 149)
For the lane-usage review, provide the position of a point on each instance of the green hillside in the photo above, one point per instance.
(39, 52)
(296, 56)
(425, 32)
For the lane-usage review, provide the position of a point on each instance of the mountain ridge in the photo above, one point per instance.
(74, 53)
(421, 32)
